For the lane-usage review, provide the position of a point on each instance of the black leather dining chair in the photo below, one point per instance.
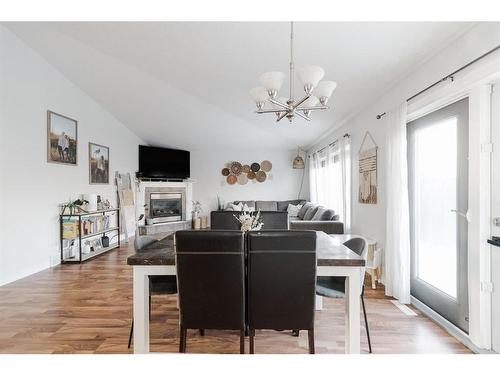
(334, 286)
(281, 282)
(158, 285)
(211, 282)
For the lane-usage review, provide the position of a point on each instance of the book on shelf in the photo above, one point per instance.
(95, 224)
(69, 229)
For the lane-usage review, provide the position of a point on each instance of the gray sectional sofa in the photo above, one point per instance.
(309, 217)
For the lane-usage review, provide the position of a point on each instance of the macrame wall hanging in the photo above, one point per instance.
(367, 155)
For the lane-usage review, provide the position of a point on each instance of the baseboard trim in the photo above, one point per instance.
(448, 327)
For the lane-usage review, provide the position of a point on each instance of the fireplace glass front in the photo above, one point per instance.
(167, 206)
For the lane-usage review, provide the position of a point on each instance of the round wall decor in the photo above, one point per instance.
(236, 168)
(261, 176)
(231, 179)
(266, 166)
(225, 171)
(242, 179)
(255, 167)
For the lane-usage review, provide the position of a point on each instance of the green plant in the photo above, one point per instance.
(220, 203)
(74, 206)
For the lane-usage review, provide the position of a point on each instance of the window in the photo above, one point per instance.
(330, 178)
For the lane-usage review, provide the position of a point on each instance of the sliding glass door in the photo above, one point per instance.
(438, 187)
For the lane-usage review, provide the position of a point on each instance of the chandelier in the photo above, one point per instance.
(317, 92)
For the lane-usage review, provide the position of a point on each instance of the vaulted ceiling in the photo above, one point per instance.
(185, 84)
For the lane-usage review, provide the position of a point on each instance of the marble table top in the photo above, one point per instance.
(330, 252)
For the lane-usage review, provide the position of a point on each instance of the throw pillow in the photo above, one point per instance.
(319, 213)
(293, 210)
(310, 212)
(328, 215)
(304, 209)
(236, 207)
(248, 209)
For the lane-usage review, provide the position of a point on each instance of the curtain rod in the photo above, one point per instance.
(331, 144)
(449, 76)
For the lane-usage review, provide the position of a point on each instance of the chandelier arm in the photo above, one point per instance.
(284, 106)
(269, 111)
(315, 108)
(281, 117)
(303, 116)
(295, 106)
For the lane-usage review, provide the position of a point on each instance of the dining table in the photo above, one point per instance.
(333, 259)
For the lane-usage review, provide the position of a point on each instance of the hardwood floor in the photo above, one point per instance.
(87, 308)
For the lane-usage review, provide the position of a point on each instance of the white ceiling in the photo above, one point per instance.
(185, 84)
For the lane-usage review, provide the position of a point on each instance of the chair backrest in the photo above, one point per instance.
(281, 279)
(225, 220)
(211, 279)
(358, 245)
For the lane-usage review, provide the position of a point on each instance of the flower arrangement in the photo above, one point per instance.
(196, 208)
(250, 220)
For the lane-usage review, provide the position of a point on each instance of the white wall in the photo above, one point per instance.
(30, 188)
(369, 219)
(283, 182)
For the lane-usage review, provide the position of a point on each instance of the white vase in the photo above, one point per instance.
(92, 199)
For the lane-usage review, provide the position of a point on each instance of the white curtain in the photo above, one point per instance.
(397, 249)
(330, 178)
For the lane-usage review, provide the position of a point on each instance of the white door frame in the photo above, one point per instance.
(475, 84)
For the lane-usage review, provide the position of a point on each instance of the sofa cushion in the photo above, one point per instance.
(329, 214)
(234, 206)
(323, 214)
(304, 209)
(311, 211)
(250, 204)
(318, 214)
(283, 205)
(293, 210)
(266, 205)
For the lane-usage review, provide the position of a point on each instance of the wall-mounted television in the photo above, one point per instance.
(157, 162)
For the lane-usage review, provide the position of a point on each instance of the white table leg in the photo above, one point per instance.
(352, 311)
(141, 310)
(319, 303)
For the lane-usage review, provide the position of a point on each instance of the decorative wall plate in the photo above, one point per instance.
(246, 168)
(251, 175)
(236, 168)
(255, 167)
(231, 179)
(261, 176)
(225, 171)
(266, 166)
(242, 179)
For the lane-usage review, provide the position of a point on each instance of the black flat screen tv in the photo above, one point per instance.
(157, 162)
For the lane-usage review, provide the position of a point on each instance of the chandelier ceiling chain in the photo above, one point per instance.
(309, 75)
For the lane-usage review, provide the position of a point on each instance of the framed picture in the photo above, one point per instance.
(62, 139)
(98, 164)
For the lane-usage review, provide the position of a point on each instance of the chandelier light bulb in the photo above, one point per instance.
(310, 75)
(272, 81)
(325, 89)
(259, 95)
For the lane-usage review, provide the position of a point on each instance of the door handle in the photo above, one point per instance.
(466, 215)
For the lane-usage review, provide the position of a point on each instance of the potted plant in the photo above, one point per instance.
(74, 206)
(250, 221)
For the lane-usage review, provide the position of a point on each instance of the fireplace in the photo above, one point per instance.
(165, 207)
